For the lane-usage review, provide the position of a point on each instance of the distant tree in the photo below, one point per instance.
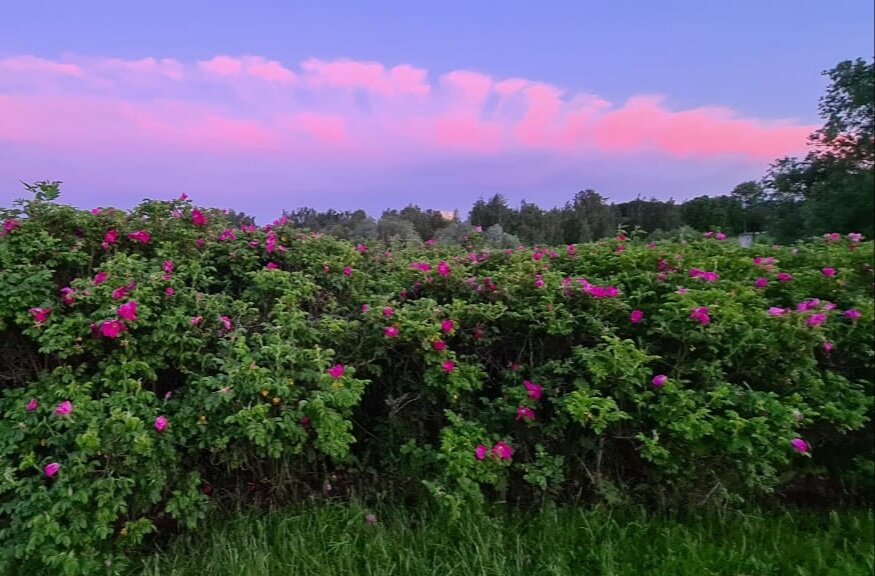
(496, 237)
(240, 218)
(587, 217)
(531, 224)
(495, 211)
(394, 230)
(455, 233)
(713, 213)
(751, 198)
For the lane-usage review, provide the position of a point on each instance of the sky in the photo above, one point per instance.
(264, 106)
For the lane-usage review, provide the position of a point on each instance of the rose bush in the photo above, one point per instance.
(157, 361)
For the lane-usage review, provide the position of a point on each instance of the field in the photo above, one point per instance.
(162, 365)
(338, 540)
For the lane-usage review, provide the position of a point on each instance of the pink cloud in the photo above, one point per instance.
(371, 76)
(467, 135)
(471, 87)
(253, 66)
(91, 104)
(167, 67)
(643, 124)
(35, 65)
(322, 127)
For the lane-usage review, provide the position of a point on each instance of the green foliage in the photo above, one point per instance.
(469, 376)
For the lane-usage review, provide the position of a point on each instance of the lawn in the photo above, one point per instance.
(339, 540)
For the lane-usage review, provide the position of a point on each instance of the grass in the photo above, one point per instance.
(335, 540)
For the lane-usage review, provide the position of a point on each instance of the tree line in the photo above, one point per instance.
(830, 189)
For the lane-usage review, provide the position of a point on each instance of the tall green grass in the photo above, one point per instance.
(336, 540)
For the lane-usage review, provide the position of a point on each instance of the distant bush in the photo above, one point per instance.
(156, 360)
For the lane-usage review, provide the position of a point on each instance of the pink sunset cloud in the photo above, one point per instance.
(249, 66)
(106, 106)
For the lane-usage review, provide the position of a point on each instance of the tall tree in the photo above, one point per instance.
(832, 187)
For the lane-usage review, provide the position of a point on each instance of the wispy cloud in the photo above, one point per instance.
(251, 104)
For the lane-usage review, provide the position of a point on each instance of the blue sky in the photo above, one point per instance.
(700, 73)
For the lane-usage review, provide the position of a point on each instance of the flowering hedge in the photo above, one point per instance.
(157, 361)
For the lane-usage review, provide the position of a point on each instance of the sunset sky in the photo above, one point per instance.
(381, 104)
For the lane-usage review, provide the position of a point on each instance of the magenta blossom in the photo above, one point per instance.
(807, 305)
(140, 236)
(429, 242)
(761, 282)
(800, 445)
(443, 269)
(347, 271)
(336, 371)
(169, 291)
(198, 218)
(64, 408)
(196, 320)
(525, 414)
(636, 317)
(704, 275)
(51, 470)
(161, 423)
(502, 451)
(361, 249)
(9, 225)
(167, 266)
(832, 237)
(449, 366)
(128, 311)
(32, 405)
(828, 272)
(659, 381)
(815, 320)
(776, 311)
(111, 329)
(271, 266)
(439, 345)
(111, 237)
(99, 278)
(40, 315)
(539, 281)
(227, 235)
(420, 266)
(480, 452)
(388, 312)
(533, 390)
(855, 237)
(784, 277)
(701, 316)
(365, 308)
(226, 322)
(852, 314)
(447, 326)
(720, 236)
(120, 293)
(571, 250)
(390, 331)
(827, 347)
(68, 296)
(600, 292)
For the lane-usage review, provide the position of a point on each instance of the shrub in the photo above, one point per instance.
(156, 361)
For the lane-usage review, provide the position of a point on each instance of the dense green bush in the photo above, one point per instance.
(153, 362)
